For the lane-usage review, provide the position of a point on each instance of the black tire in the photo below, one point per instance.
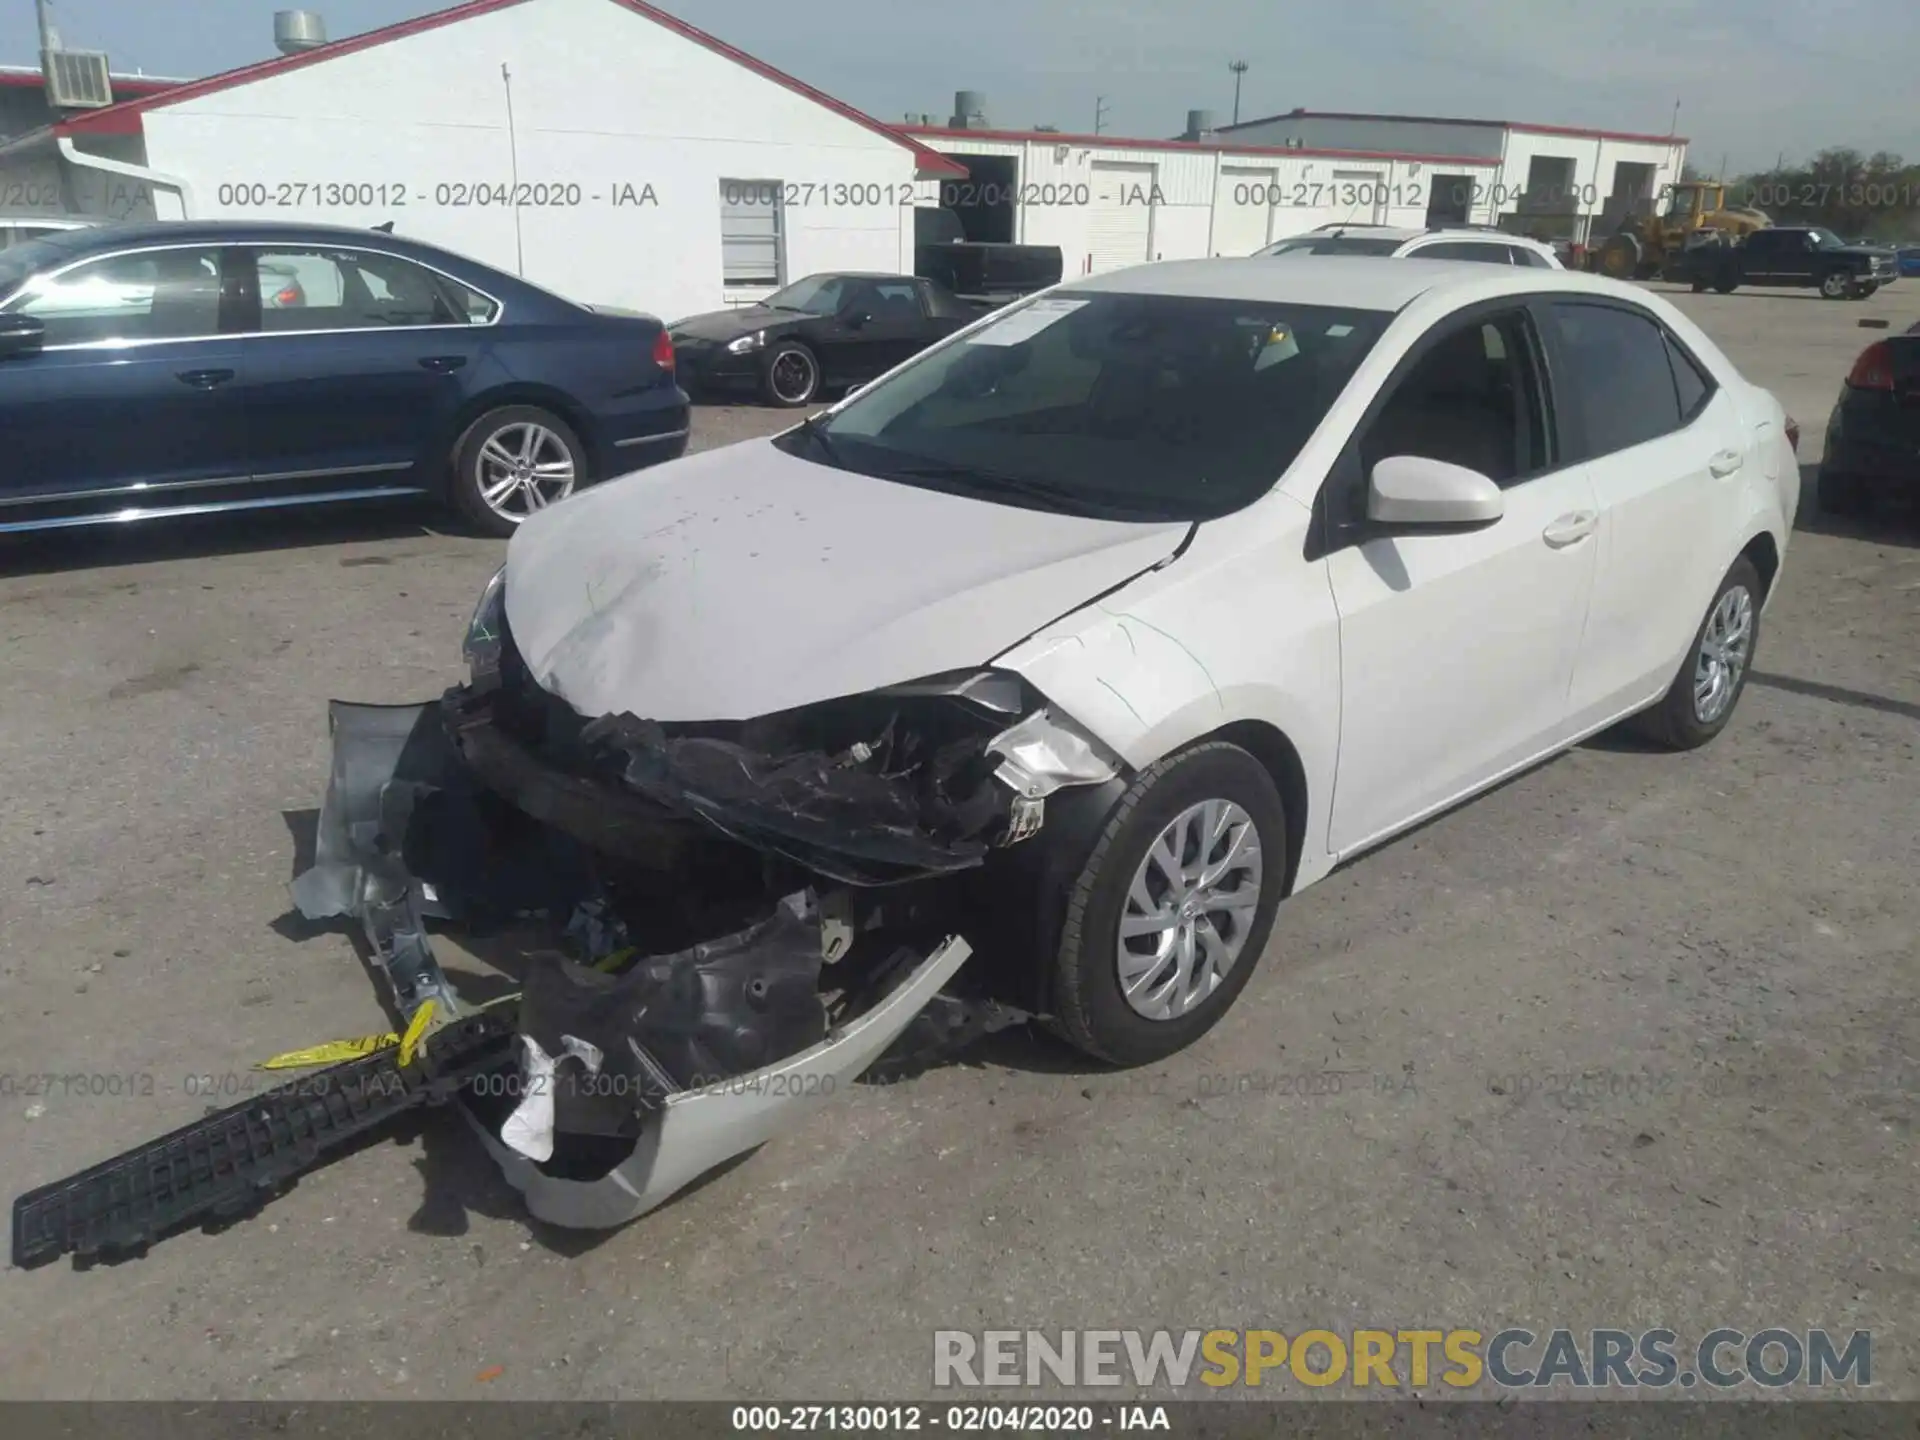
(1089, 1010)
(1839, 493)
(1621, 257)
(1865, 289)
(787, 359)
(1674, 722)
(470, 480)
(1836, 285)
(1699, 286)
(1725, 287)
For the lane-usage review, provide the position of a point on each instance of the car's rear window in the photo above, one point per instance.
(1138, 406)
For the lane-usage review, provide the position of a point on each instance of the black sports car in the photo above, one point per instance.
(822, 332)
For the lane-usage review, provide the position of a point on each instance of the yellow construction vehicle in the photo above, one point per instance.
(1645, 243)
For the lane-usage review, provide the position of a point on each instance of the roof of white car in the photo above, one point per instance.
(1343, 282)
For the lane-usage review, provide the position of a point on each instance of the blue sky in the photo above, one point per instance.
(1754, 77)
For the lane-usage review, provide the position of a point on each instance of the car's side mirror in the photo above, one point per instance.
(21, 334)
(1413, 490)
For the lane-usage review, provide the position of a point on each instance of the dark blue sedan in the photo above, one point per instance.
(190, 367)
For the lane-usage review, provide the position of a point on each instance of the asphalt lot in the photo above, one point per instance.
(1719, 947)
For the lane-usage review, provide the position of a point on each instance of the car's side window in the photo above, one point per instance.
(304, 290)
(1693, 384)
(1533, 258)
(899, 300)
(1473, 399)
(1484, 251)
(1617, 375)
(171, 294)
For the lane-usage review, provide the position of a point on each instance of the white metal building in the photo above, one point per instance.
(599, 147)
(1109, 202)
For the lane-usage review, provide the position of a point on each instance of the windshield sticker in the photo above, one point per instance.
(1023, 325)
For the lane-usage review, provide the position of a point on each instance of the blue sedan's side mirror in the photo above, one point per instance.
(21, 334)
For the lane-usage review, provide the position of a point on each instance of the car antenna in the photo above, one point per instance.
(385, 227)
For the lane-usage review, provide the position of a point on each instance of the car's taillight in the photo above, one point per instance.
(288, 296)
(1793, 434)
(1874, 369)
(663, 350)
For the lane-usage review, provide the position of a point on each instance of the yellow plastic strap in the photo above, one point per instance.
(415, 1040)
(334, 1052)
(610, 963)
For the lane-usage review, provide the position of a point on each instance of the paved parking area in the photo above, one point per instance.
(1719, 948)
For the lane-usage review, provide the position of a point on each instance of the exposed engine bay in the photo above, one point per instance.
(746, 914)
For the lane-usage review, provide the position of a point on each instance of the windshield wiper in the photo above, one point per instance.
(814, 430)
(1054, 497)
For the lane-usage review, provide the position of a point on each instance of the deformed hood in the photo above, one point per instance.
(745, 581)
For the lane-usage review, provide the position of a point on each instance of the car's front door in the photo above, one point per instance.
(1667, 453)
(363, 360)
(878, 324)
(1457, 649)
(135, 391)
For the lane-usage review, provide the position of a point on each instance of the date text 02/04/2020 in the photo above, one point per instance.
(444, 194)
(961, 1419)
(1462, 194)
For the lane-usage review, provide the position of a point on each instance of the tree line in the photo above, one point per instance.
(1857, 196)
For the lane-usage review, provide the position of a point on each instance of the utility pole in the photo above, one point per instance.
(1239, 68)
(1099, 114)
(49, 35)
(1674, 128)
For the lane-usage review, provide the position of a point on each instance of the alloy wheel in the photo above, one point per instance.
(792, 376)
(524, 467)
(1189, 909)
(1726, 645)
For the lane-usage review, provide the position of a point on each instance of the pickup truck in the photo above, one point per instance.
(979, 272)
(1803, 257)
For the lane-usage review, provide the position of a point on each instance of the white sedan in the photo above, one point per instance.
(1082, 640)
(1305, 553)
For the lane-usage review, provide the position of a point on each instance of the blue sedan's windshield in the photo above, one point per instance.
(1151, 407)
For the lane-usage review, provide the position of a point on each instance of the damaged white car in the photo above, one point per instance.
(1030, 680)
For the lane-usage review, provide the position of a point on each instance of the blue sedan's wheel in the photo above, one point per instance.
(514, 462)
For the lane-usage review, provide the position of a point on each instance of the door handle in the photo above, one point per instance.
(1726, 462)
(443, 364)
(1570, 529)
(205, 379)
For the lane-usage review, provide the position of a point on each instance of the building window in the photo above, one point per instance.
(751, 232)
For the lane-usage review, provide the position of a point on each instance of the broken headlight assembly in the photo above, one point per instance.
(486, 632)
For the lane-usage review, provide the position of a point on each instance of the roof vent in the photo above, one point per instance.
(1200, 124)
(297, 31)
(76, 79)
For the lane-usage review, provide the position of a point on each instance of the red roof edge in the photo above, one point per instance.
(124, 118)
(1121, 142)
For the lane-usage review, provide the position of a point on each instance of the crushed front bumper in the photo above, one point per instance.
(434, 811)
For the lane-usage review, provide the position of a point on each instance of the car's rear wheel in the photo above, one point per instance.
(792, 374)
(1701, 700)
(1725, 287)
(514, 462)
(1168, 916)
(1836, 285)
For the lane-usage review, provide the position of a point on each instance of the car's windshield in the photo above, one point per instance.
(17, 262)
(1149, 407)
(1337, 245)
(815, 295)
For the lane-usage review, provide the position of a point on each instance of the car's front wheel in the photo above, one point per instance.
(514, 462)
(1699, 703)
(1836, 285)
(1173, 906)
(792, 374)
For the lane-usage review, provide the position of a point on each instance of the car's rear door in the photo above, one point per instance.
(1668, 452)
(363, 358)
(1457, 648)
(135, 395)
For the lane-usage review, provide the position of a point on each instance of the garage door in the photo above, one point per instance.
(1120, 227)
(1360, 197)
(1241, 209)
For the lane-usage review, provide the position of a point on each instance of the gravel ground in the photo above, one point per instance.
(1723, 943)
